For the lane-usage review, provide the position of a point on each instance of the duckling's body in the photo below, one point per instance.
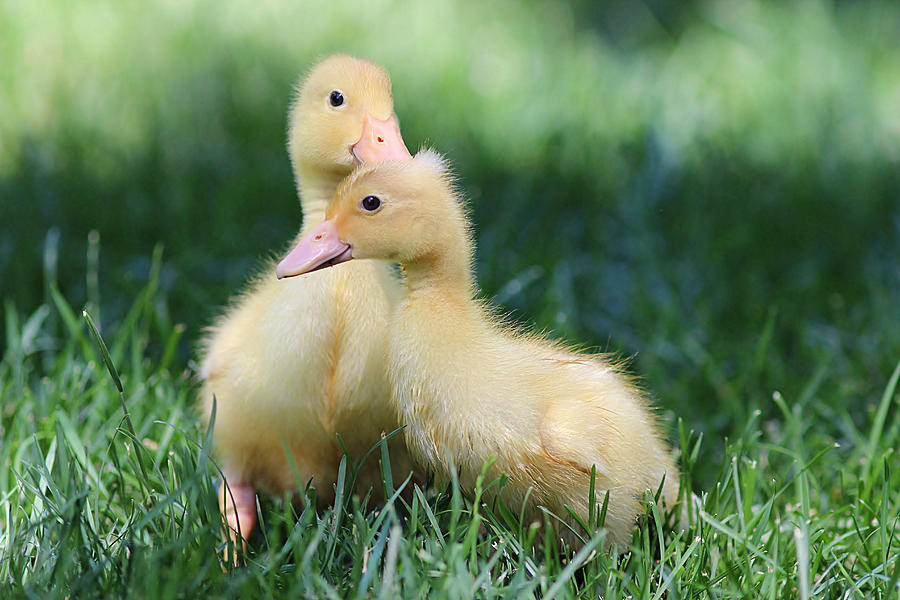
(293, 364)
(295, 382)
(469, 387)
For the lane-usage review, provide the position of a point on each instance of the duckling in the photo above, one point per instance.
(290, 366)
(469, 386)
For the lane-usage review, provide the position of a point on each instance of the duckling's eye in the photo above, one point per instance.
(371, 203)
(336, 98)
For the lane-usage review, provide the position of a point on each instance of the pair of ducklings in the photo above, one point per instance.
(356, 351)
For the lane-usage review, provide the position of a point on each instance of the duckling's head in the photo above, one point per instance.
(401, 211)
(343, 115)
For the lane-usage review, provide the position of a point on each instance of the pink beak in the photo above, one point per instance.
(320, 248)
(380, 141)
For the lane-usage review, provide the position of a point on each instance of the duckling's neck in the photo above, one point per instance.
(316, 188)
(447, 272)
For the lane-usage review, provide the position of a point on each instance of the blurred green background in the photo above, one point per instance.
(709, 187)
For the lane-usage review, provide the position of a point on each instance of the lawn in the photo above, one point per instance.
(710, 189)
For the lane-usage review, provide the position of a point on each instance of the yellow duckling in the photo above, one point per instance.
(292, 365)
(471, 387)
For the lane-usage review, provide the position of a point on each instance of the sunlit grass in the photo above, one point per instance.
(109, 490)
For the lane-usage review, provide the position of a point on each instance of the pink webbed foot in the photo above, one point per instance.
(237, 502)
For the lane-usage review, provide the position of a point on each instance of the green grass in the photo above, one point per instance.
(712, 189)
(110, 492)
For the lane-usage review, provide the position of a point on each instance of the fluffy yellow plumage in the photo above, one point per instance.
(468, 386)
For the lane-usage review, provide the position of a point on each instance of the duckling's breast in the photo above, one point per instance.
(356, 385)
(292, 364)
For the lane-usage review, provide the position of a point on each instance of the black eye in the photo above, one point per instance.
(371, 203)
(336, 98)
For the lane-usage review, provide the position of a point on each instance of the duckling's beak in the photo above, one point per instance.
(320, 248)
(380, 141)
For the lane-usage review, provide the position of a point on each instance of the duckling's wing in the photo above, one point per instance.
(566, 439)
